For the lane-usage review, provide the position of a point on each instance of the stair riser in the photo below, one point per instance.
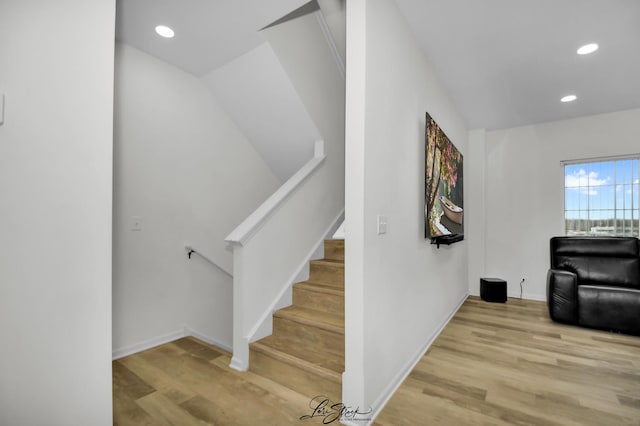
(313, 338)
(326, 273)
(304, 382)
(334, 250)
(330, 303)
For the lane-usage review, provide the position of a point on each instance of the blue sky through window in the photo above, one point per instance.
(602, 191)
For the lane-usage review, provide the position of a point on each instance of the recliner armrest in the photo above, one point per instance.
(562, 296)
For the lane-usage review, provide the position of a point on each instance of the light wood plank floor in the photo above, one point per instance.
(509, 364)
(494, 364)
(189, 382)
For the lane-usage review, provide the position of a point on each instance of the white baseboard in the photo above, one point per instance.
(337, 232)
(147, 344)
(393, 386)
(528, 296)
(525, 296)
(210, 340)
(238, 364)
(186, 331)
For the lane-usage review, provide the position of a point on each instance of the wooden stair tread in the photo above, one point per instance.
(306, 350)
(319, 319)
(328, 262)
(302, 364)
(321, 287)
(323, 358)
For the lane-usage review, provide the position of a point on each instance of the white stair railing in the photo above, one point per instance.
(273, 245)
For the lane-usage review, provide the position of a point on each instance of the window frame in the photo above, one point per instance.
(591, 211)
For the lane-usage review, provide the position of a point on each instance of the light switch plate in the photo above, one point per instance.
(382, 225)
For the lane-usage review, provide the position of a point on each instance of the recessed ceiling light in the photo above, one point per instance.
(569, 98)
(164, 31)
(588, 48)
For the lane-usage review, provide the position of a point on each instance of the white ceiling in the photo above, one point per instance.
(209, 33)
(505, 63)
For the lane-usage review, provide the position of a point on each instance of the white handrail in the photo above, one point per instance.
(190, 250)
(251, 224)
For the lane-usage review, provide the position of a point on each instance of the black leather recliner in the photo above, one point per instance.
(595, 282)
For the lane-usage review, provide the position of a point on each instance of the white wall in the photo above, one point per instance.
(256, 93)
(400, 289)
(184, 167)
(475, 211)
(524, 186)
(302, 49)
(55, 212)
(335, 15)
(307, 215)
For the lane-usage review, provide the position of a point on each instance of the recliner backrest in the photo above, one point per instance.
(599, 260)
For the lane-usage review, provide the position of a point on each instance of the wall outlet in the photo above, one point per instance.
(136, 223)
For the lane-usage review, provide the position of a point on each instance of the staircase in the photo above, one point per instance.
(306, 350)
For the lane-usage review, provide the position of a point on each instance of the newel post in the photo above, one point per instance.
(240, 359)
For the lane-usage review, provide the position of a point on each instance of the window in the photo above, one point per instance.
(601, 197)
